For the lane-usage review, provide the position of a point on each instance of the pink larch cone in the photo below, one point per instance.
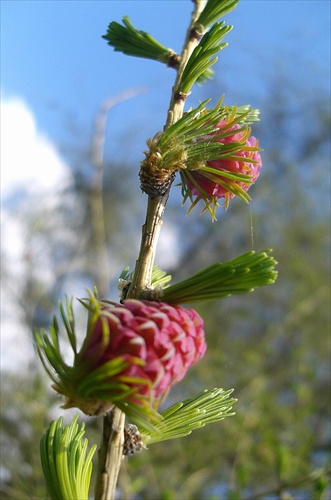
(150, 344)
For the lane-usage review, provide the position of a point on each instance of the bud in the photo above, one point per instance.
(156, 173)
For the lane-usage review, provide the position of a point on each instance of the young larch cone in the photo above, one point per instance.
(241, 156)
(134, 353)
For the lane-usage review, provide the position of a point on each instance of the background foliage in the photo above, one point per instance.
(272, 346)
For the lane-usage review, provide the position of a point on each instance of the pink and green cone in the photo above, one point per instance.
(232, 174)
(132, 354)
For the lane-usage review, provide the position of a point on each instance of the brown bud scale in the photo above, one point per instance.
(180, 96)
(156, 183)
(196, 32)
(173, 61)
(132, 440)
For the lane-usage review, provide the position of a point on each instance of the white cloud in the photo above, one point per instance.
(29, 160)
(168, 250)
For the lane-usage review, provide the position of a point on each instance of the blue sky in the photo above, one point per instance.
(53, 57)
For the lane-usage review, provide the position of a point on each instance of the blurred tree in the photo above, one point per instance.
(272, 346)
(25, 404)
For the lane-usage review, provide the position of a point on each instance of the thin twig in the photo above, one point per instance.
(176, 106)
(279, 489)
(110, 455)
(150, 232)
(156, 205)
